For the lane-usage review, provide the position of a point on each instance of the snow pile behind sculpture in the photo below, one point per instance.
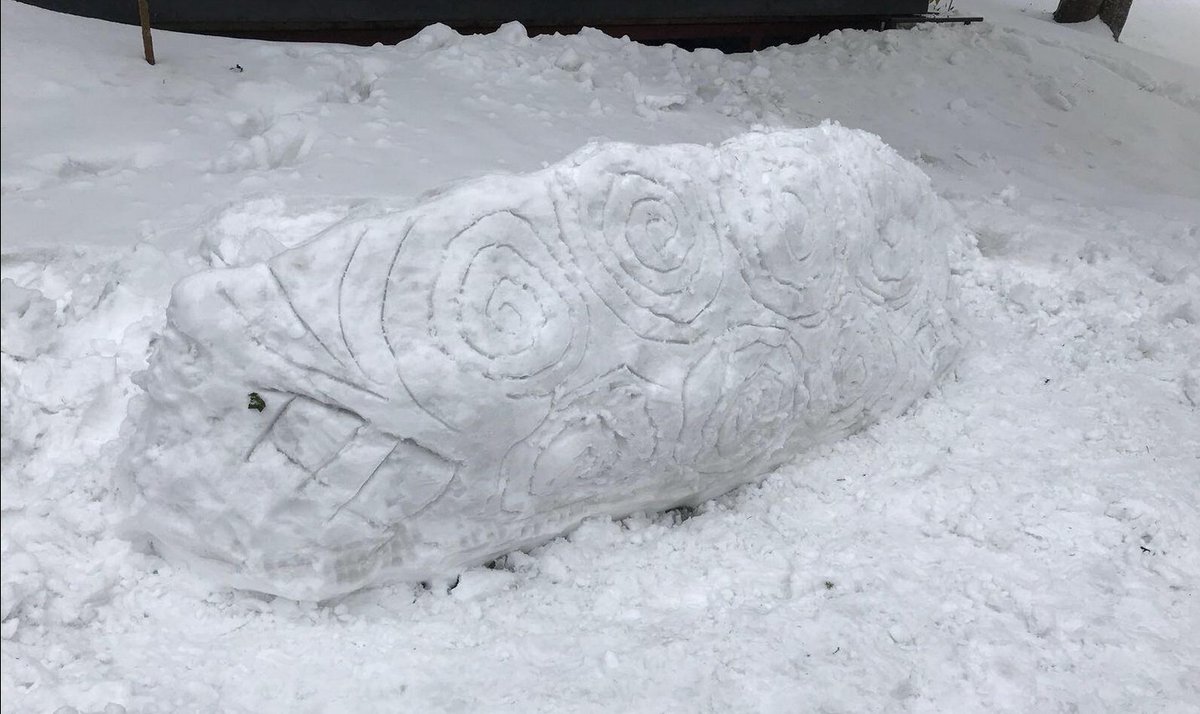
(633, 328)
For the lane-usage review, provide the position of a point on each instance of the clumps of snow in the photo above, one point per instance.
(23, 592)
(265, 142)
(436, 36)
(19, 427)
(513, 33)
(73, 320)
(27, 321)
(255, 229)
(354, 82)
(569, 60)
(634, 328)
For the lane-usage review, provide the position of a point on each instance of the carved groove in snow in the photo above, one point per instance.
(634, 328)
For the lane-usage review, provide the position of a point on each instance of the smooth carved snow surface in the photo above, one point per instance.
(634, 328)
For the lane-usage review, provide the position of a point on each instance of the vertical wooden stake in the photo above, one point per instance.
(147, 42)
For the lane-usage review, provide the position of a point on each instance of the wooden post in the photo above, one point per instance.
(147, 42)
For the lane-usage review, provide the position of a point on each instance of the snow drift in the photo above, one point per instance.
(633, 328)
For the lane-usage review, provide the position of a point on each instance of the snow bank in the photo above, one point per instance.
(634, 328)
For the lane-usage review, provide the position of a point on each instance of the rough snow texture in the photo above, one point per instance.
(1023, 540)
(634, 328)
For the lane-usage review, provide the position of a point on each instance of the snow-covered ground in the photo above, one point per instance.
(1024, 540)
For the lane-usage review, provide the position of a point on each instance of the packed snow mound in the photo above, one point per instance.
(413, 392)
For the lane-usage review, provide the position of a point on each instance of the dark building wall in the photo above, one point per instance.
(532, 12)
(367, 21)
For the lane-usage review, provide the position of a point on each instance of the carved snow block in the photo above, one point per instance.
(634, 328)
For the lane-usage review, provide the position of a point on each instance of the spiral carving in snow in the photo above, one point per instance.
(743, 400)
(889, 269)
(643, 231)
(633, 328)
(480, 297)
(785, 226)
(864, 368)
(596, 444)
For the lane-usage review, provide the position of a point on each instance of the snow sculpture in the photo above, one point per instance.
(633, 328)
